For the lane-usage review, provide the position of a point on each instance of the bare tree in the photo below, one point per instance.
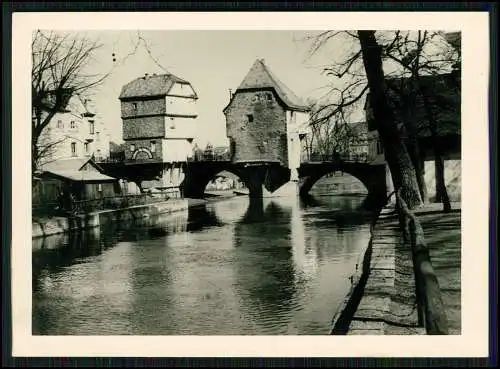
(402, 169)
(333, 137)
(410, 55)
(409, 60)
(57, 74)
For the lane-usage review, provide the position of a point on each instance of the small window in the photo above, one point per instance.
(72, 124)
(73, 149)
(132, 147)
(269, 97)
(172, 123)
(91, 127)
(134, 106)
(97, 136)
(99, 187)
(86, 147)
(250, 118)
(153, 146)
(60, 124)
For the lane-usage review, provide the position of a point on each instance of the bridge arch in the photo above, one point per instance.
(373, 177)
(142, 152)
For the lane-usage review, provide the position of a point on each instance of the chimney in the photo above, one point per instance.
(230, 94)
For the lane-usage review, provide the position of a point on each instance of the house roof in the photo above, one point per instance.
(444, 98)
(454, 39)
(80, 175)
(260, 77)
(70, 164)
(151, 85)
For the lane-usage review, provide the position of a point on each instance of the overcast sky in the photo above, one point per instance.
(213, 61)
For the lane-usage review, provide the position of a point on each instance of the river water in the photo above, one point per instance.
(231, 267)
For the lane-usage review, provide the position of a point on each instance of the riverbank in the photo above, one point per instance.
(42, 227)
(382, 297)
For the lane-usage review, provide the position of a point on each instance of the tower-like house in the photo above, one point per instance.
(265, 120)
(158, 116)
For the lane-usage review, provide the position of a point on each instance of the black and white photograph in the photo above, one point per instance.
(246, 182)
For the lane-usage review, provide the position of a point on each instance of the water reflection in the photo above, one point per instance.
(271, 266)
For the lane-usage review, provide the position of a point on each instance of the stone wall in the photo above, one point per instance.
(145, 145)
(256, 124)
(137, 108)
(143, 127)
(58, 225)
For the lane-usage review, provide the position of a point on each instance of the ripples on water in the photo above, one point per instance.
(277, 266)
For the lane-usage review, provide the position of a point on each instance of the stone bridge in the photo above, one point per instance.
(258, 176)
(272, 176)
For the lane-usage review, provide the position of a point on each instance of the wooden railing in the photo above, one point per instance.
(431, 310)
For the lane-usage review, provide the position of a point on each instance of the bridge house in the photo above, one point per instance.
(265, 121)
(158, 115)
(443, 96)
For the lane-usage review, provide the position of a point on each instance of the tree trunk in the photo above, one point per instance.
(414, 152)
(441, 191)
(400, 164)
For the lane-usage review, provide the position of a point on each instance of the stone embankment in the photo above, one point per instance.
(42, 227)
(382, 299)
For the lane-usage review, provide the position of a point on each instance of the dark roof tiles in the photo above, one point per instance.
(260, 76)
(151, 85)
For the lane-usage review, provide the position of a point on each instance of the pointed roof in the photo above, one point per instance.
(260, 76)
(151, 85)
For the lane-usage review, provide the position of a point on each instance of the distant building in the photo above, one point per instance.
(444, 97)
(263, 120)
(159, 116)
(75, 132)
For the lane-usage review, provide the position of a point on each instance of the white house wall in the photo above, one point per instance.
(182, 89)
(178, 127)
(178, 150)
(296, 124)
(180, 106)
(59, 129)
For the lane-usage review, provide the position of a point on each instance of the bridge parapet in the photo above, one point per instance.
(335, 158)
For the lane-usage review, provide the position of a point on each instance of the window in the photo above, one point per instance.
(269, 97)
(60, 124)
(91, 127)
(134, 106)
(73, 149)
(72, 124)
(98, 153)
(250, 118)
(86, 147)
(97, 137)
(99, 187)
(153, 146)
(172, 123)
(132, 147)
